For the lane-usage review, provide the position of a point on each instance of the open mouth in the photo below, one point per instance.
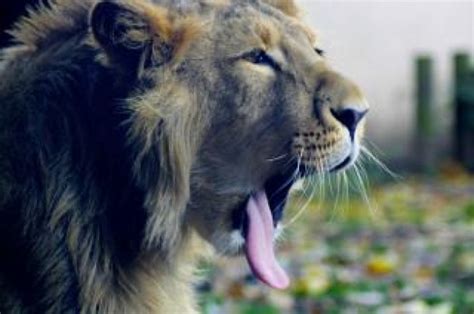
(257, 219)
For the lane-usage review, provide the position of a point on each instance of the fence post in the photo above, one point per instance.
(425, 151)
(463, 111)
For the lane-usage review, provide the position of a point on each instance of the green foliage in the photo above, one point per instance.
(469, 211)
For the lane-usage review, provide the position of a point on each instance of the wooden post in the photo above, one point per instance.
(424, 148)
(463, 111)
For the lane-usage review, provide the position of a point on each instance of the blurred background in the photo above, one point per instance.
(396, 233)
(377, 43)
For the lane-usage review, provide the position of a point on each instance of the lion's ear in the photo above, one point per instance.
(137, 34)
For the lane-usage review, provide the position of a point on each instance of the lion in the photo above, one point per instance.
(137, 137)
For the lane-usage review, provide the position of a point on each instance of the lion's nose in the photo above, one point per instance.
(350, 118)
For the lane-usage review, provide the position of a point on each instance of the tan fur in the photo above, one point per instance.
(268, 33)
(176, 164)
(41, 23)
(286, 6)
(149, 287)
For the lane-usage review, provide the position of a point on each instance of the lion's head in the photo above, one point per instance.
(231, 102)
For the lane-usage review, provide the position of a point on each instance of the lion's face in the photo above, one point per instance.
(278, 109)
(258, 105)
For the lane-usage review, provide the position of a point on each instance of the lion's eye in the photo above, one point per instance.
(259, 56)
(320, 52)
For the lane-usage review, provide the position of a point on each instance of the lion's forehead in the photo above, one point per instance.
(239, 26)
(270, 19)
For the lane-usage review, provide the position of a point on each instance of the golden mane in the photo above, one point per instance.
(51, 20)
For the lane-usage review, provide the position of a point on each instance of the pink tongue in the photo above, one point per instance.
(259, 243)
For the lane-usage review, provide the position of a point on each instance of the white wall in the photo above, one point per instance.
(375, 42)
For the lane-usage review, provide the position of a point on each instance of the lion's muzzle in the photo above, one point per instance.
(329, 140)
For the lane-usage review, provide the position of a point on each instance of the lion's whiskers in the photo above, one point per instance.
(293, 178)
(354, 179)
(371, 157)
(288, 182)
(309, 198)
(362, 187)
(338, 192)
(300, 212)
(272, 159)
(342, 193)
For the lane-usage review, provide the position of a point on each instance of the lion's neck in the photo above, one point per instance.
(152, 285)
